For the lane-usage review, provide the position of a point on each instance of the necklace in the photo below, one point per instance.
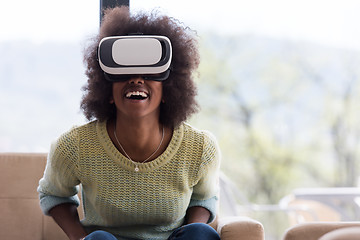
(136, 163)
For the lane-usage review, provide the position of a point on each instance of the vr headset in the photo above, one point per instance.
(123, 57)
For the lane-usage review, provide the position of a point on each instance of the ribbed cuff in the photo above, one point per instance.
(48, 202)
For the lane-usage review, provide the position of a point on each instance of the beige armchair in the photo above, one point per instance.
(324, 231)
(22, 219)
(348, 233)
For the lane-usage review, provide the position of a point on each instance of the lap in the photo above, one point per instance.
(194, 231)
(100, 235)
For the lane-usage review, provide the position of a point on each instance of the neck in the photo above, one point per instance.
(139, 139)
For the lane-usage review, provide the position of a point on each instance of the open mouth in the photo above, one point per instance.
(136, 95)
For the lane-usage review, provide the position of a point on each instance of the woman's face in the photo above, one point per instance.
(137, 98)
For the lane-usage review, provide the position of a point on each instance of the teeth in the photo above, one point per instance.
(136, 93)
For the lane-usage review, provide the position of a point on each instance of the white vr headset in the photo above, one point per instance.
(149, 56)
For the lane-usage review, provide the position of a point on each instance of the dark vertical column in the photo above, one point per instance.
(111, 4)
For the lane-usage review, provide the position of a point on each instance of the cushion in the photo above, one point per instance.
(20, 219)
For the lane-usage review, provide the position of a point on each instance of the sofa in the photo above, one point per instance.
(22, 219)
(324, 231)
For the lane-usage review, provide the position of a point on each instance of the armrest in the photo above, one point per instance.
(348, 233)
(239, 228)
(314, 230)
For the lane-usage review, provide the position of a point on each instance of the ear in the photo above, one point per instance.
(111, 101)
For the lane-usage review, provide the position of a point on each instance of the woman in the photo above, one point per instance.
(144, 172)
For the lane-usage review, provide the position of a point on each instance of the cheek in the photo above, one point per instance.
(160, 95)
(160, 89)
(116, 90)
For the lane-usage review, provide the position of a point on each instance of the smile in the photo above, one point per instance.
(136, 95)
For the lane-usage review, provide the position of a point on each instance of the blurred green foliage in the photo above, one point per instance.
(285, 113)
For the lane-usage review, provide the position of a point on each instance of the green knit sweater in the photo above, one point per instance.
(148, 204)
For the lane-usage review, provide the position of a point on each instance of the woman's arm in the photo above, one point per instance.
(67, 217)
(197, 215)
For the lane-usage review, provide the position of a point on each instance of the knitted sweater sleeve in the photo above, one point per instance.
(206, 190)
(59, 183)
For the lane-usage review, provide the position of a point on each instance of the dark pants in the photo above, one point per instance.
(194, 231)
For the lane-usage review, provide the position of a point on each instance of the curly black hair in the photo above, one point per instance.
(179, 90)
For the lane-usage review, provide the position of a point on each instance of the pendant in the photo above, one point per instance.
(136, 169)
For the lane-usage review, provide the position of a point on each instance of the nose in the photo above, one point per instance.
(136, 80)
